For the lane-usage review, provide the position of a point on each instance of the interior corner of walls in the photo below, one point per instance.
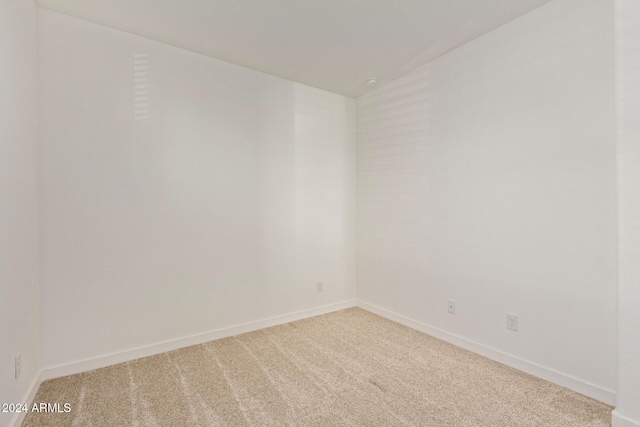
(619, 420)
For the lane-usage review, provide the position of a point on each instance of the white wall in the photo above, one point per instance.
(19, 299)
(488, 177)
(627, 17)
(225, 205)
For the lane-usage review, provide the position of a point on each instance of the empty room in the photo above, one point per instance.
(320, 213)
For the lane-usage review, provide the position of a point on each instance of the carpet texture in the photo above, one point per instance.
(350, 367)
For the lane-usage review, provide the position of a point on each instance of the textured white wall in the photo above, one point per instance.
(628, 107)
(19, 300)
(488, 177)
(225, 205)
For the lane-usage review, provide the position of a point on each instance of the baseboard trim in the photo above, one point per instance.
(153, 349)
(28, 399)
(618, 420)
(580, 386)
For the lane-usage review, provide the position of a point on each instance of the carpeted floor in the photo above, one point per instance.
(350, 367)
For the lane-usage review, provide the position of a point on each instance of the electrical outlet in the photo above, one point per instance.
(319, 287)
(18, 365)
(512, 322)
(451, 306)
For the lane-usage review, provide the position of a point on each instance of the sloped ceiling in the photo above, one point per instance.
(334, 45)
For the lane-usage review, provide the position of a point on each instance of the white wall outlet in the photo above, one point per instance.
(319, 287)
(512, 322)
(451, 306)
(18, 365)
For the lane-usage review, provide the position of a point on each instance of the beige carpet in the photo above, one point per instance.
(350, 367)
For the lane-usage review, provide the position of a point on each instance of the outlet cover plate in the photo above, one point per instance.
(451, 306)
(18, 365)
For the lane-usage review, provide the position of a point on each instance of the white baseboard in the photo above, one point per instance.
(150, 350)
(564, 380)
(618, 420)
(28, 399)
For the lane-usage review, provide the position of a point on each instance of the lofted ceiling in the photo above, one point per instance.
(334, 45)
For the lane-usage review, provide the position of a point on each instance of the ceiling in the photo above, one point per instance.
(334, 45)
